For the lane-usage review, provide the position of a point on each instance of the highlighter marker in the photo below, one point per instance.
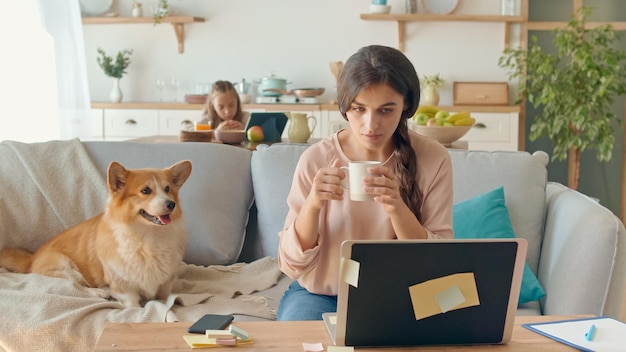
(589, 334)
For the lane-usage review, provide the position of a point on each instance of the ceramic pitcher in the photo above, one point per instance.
(299, 130)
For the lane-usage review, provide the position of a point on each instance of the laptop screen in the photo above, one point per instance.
(411, 293)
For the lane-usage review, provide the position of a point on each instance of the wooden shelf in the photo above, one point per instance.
(430, 17)
(549, 26)
(178, 23)
(402, 19)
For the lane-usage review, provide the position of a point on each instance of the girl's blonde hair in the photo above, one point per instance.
(209, 113)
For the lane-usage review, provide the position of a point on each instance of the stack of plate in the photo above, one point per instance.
(95, 7)
(195, 98)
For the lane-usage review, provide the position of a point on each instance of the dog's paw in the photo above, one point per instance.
(127, 299)
(101, 292)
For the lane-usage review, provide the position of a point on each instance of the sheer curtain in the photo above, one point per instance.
(45, 93)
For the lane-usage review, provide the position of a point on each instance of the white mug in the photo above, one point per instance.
(356, 171)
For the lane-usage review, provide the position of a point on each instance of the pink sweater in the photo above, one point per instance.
(317, 269)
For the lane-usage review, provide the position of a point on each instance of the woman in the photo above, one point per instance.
(377, 91)
(223, 108)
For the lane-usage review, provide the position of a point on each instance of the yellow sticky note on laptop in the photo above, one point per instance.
(444, 294)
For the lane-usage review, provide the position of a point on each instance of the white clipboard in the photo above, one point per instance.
(609, 335)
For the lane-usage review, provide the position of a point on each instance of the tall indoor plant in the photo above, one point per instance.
(115, 69)
(572, 89)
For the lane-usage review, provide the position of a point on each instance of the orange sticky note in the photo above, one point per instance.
(444, 294)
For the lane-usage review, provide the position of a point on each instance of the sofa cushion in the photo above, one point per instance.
(486, 216)
(272, 175)
(523, 176)
(215, 199)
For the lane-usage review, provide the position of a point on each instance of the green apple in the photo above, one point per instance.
(255, 134)
(421, 118)
(441, 116)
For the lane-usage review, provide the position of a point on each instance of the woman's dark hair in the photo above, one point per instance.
(220, 87)
(378, 64)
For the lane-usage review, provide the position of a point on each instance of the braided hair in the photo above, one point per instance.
(378, 64)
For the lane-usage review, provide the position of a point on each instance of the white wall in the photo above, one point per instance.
(295, 39)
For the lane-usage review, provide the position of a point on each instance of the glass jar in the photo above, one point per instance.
(137, 10)
(410, 6)
(508, 7)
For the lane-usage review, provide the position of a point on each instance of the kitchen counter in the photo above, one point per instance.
(281, 107)
(187, 106)
(497, 126)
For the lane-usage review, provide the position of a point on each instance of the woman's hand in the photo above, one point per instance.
(386, 190)
(384, 186)
(327, 185)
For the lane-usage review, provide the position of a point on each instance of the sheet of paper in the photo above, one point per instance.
(201, 341)
(312, 347)
(609, 336)
(349, 271)
(444, 294)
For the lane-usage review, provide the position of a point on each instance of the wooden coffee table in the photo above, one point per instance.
(288, 337)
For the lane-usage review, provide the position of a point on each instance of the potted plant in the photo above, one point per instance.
(115, 69)
(430, 89)
(572, 89)
(162, 10)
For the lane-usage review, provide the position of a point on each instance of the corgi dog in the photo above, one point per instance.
(130, 252)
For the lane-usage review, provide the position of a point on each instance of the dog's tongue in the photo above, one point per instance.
(164, 219)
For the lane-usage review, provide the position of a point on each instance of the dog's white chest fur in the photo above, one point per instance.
(147, 257)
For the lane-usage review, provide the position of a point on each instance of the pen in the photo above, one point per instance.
(589, 334)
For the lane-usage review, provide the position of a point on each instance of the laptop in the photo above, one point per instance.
(427, 292)
(272, 123)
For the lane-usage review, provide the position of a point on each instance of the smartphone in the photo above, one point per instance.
(210, 322)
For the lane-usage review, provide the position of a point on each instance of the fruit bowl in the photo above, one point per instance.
(230, 136)
(445, 135)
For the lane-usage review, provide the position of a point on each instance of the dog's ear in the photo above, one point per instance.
(116, 177)
(180, 172)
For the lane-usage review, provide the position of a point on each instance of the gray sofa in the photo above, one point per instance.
(577, 247)
(234, 204)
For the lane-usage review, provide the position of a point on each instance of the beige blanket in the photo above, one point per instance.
(47, 187)
(40, 313)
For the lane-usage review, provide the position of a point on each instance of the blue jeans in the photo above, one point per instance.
(299, 304)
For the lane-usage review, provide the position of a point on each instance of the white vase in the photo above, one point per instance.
(116, 93)
(430, 95)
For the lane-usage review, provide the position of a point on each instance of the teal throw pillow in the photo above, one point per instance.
(486, 216)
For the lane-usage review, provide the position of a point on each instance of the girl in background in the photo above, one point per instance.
(223, 108)
(378, 91)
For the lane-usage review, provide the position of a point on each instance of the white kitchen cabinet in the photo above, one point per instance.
(332, 122)
(97, 123)
(493, 131)
(122, 124)
(496, 127)
(172, 121)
